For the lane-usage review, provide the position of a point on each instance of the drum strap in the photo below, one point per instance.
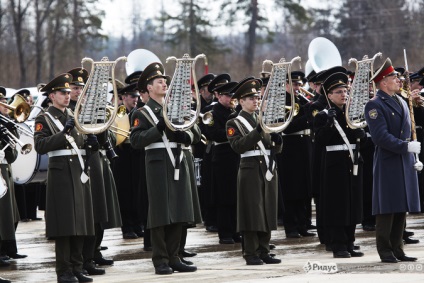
(71, 140)
(166, 142)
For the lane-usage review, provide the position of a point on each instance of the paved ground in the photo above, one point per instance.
(223, 263)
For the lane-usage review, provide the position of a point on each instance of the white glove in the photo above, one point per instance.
(2, 155)
(414, 147)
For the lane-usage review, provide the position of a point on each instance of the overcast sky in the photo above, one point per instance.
(118, 22)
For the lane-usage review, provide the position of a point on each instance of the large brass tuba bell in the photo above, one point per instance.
(19, 109)
(121, 126)
(323, 54)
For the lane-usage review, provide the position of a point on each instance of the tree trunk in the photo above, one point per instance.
(251, 36)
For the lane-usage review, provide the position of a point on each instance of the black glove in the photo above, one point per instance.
(331, 115)
(70, 124)
(359, 133)
(92, 142)
(161, 124)
(276, 138)
(3, 134)
(182, 137)
(259, 128)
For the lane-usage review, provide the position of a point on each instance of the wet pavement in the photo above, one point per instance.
(304, 260)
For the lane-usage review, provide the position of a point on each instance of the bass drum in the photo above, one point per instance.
(31, 167)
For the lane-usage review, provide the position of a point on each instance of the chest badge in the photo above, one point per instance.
(230, 132)
(38, 127)
(136, 122)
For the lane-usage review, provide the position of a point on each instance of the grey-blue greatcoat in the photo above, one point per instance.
(395, 180)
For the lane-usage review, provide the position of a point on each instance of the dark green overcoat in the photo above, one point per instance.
(257, 198)
(170, 201)
(69, 210)
(9, 214)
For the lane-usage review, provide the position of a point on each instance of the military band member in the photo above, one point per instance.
(170, 200)
(9, 214)
(126, 169)
(224, 166)
(294, 165)
(69, 210)
(257, 185)
(204, 151)
(395, 190)
(341, 180)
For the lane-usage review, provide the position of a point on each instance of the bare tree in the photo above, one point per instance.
(18, 11)
(42, 10)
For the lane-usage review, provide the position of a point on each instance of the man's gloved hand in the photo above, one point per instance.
(331, 115)
(3, 132)
(359, 133)
(259, 128)
(70, 124)
(414, 147)
(276, 138)
(161, 124)
(182, 137)
(92, 142)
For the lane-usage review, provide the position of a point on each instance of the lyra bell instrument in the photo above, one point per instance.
(274, 114)
(90, 110)
(177, 106)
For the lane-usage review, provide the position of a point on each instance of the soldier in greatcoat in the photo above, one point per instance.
(225, 163)
(170, 200)
(341, 180)
(257, 191)
(69, 209)
(395, 190)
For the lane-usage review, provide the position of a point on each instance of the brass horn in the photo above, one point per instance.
(121, 125)
(19, 109)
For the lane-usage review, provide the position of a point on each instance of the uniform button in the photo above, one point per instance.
(401, 132)
(393, 114)
(77, 133)
(260, 161)
(70, 159)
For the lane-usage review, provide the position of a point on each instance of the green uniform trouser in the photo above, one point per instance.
(91, 248)
(256, 243)
(165, 243)
(69, 254)
(389, 231)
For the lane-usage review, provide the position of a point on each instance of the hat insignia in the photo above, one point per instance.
(66, 76)
(253, 89)
(157, 66)
(80, 79)
(66, 85)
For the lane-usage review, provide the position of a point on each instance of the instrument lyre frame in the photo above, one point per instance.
(359, 91)
(192, 117)
(277, 127)
(97, 127)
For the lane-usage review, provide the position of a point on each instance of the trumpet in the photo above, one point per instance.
(19, 109)
(12, 141)
(6, 121)
(207, 118)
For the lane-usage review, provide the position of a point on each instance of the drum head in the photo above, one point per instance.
(27, 166)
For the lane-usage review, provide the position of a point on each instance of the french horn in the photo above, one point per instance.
(274, 114)
(90, 110)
